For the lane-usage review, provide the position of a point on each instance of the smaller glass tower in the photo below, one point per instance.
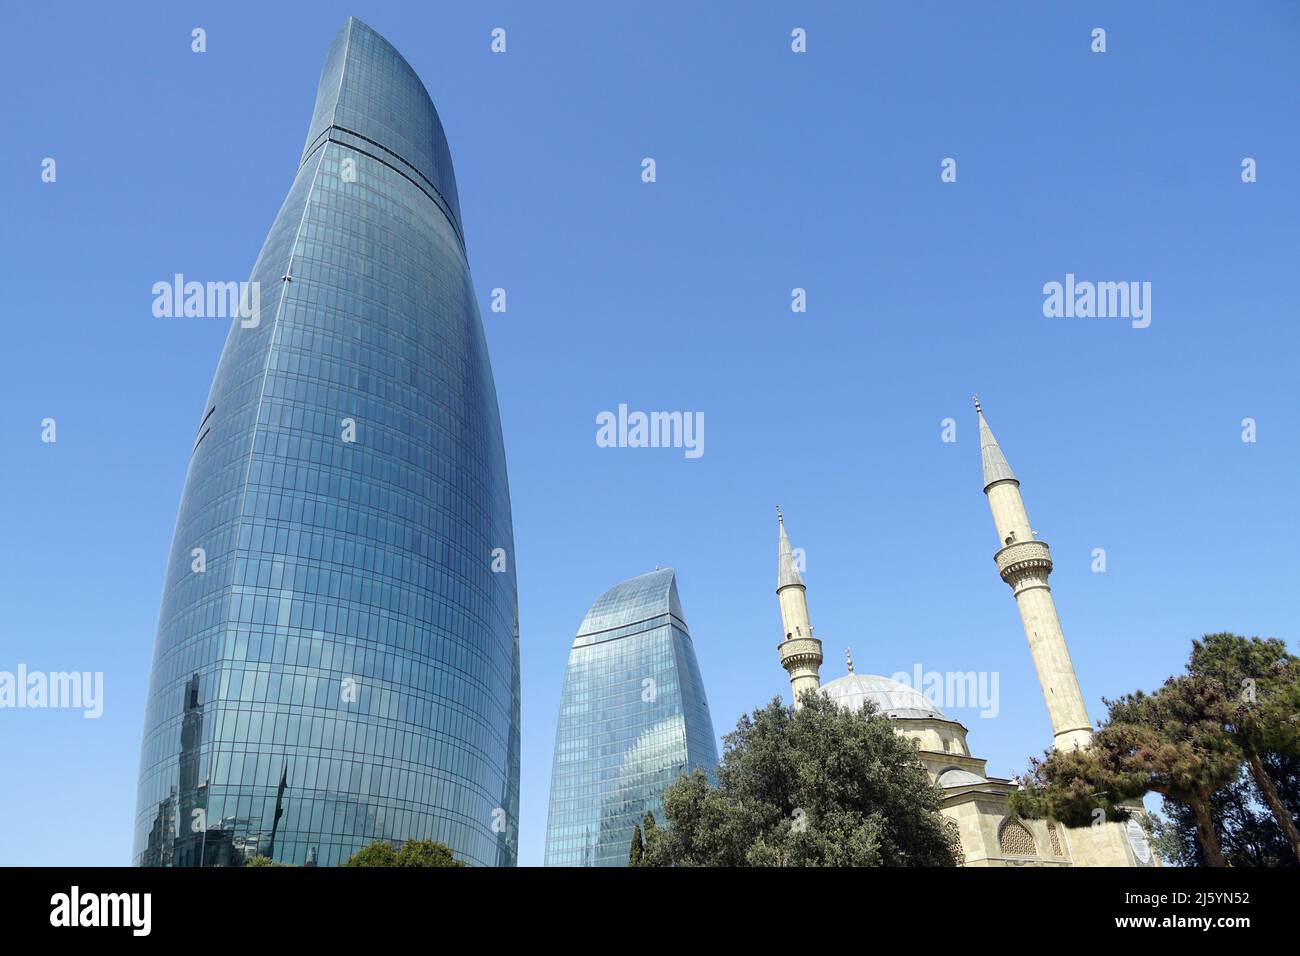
(633, 717)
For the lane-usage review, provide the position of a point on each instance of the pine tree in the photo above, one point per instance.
(1259, 697)
(1169, 742)
(1243, 823)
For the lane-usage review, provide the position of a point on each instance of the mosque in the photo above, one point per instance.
(974, 802)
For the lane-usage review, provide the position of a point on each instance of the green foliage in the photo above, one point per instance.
(379, 853)
(1068, 786)
(1238, 702)
(260, 860)
(1259, 689)
(426, 853)
(412, 853)
(1247, 831)
(638, 848)
(820, 786)
(1168, 742)
(1258, 704)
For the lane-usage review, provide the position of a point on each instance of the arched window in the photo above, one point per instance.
(1014, 839)
(1054, 835)
(954, 834)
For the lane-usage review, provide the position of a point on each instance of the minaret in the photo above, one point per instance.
(801, 653)
(1025, 564)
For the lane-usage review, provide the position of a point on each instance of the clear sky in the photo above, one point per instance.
(775, 170)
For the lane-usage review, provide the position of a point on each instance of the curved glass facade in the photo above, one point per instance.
(337, 658)
(633, 717)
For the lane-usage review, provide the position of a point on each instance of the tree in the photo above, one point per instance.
(379, 853)
(1069, 786)
(638, 848)
(817, 786)
(1238, 702)
(426, 853)
(1247, 832)
(412, 853)
(261, 860)
(1169, 742)
(1258, 704)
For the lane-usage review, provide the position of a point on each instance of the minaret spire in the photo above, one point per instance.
(801, 653)
(1025, 564)
(996, 467)
(787, 570)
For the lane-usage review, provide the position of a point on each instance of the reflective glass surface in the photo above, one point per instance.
(633, 717)
(337, 658)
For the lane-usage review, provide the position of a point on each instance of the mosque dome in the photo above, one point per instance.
(892, 699)
(956, 777)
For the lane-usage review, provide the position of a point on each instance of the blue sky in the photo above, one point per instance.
(775, 171)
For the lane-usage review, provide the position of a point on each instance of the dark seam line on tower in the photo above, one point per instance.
(436, 196)
(203, 432)
(374, 142)
(672, 619)
(636, 623)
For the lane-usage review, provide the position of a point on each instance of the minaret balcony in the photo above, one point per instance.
(1023, 558)
(800, 651)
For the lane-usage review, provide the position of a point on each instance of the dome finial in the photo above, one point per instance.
(848, 655)
(978, 410)
(779, 520)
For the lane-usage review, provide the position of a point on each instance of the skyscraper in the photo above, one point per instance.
(633, 717)
(338, 636)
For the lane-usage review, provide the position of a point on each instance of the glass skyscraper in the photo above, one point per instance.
(337, 658)
(633, 717)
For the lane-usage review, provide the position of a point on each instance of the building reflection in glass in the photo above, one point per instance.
(347, 649)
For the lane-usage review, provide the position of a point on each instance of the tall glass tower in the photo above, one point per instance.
(633, 717)
(337, 659)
